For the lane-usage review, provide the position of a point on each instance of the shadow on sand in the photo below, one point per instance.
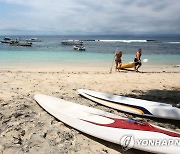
(162, 96)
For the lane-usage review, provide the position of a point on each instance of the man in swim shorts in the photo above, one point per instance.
(137, 60)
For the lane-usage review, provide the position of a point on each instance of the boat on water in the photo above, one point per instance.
(33, 40)
(6, 40)
(18, 43)
(79, 47)
(72, 42)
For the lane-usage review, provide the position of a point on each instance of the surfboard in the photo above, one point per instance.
(109, 127)
(132, 105)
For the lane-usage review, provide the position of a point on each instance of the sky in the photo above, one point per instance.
(89, 17)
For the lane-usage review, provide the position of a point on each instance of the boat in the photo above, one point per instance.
(33, 40)
(18, 43)
(14, 42)
(79, 47)
(72, 42)
(27, 44)
(128, 65)
(6, 40)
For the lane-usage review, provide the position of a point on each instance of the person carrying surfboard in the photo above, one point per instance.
(117, 58)
(137, 60)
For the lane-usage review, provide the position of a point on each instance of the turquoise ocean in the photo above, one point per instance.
(99, 51)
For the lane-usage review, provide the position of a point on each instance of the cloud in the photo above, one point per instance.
(91, 17)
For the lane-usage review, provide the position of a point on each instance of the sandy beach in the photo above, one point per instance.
(27, 128)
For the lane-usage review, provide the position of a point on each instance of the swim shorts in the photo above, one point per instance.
(137, 62)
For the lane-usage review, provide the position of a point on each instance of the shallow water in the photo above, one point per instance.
(99, 50)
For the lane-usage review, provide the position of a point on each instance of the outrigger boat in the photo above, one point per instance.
(79, 47)
(33, 40)
(72, 42)
(6, 40)
(17, 43)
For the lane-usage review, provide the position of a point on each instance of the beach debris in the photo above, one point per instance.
(176, 66)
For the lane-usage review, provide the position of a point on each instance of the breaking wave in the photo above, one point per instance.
(124, 41)
(174, 42)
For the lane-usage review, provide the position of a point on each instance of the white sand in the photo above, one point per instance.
(26, 128)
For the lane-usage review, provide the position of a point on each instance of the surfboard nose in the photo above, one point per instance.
(38, 96)
(80, 91)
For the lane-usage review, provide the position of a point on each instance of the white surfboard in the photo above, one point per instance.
(110, 127)
(131, 105)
